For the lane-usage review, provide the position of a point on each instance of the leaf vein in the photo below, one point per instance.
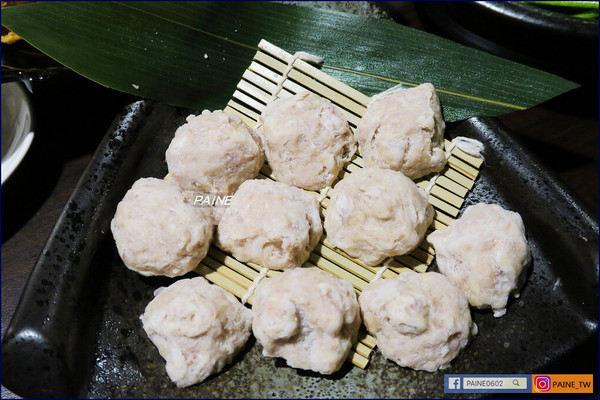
(449, 92)
(188, 26)
(452, 93)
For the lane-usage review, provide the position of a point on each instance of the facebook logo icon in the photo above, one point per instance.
(453, 382)
(485, 383)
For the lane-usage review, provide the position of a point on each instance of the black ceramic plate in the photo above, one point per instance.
(76, 331)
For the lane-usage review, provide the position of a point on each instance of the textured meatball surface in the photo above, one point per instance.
(308, 317)
(213, 152)
(306, 140)
(157, 232)
(404, 131)
(377, 213)
(197, 327)
(420, 321)
(485, 254)
(270, 224)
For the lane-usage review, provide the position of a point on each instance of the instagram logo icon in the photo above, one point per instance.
(542, 383)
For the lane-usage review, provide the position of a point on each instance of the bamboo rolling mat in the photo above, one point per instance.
(275, 73)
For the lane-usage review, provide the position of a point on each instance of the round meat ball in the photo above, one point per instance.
(308, 317)
(157, 232)
(484, 253)
(404, 131)
(197, 327)
(213, 153)
(419, 321)
(270, 224)
(306, 140)
(377, 213)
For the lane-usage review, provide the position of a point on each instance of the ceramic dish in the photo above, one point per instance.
(76, 331)
(543, 38)
(17, 121)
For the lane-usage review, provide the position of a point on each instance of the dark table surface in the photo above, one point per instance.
(70, 121)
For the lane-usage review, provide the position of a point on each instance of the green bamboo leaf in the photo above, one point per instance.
(572, 4)
(587, 14)
(192, 54)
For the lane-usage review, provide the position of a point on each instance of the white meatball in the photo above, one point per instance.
(308, 317)
(157, 232)
(271, 224)
(377, 213)
(404, 131)
(484, 253)
(306, 140)
(197, 327)
(419, 321)
(213, 153)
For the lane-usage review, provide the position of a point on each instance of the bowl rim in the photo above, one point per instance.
(22, 137)
(537, 16)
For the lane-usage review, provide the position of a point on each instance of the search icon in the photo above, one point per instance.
(515, 382)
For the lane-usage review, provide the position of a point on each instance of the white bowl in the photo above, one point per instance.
(17, 133)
